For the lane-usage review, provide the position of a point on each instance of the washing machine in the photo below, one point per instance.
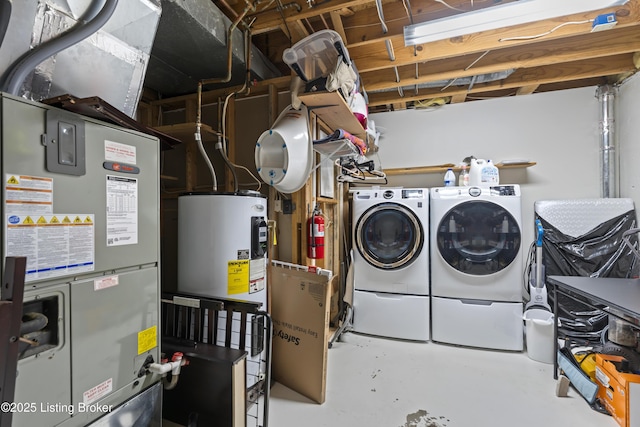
(477, 266)
(391, 262)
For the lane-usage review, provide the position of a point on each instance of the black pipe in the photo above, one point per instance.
(32, 322)
(21, 68)
(5, 14)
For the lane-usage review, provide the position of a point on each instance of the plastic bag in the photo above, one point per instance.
(600, 252)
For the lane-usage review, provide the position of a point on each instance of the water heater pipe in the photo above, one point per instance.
(609, 158)
(21, 69)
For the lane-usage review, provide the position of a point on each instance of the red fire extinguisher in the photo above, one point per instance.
(315, 238)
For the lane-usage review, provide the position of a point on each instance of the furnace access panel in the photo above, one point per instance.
(80, 200)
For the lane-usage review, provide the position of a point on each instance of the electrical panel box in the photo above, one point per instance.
(80, 199)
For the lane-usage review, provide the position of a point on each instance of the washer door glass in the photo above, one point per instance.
(389, 236)
(478, 238)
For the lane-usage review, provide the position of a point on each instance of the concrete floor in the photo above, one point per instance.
(377, 382)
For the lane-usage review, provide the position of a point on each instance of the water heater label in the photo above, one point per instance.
(55, 245)
(28, 194)
(256, 279)
(122, 211)
(238, 277)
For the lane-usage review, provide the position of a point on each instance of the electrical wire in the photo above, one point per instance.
(529, 263)
(546, 33)
(478, 59)
(407, 9)
(284, 21)
(385, 30)
(224, 140)
(449, 6)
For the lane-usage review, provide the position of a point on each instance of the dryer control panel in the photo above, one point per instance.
(413, 193)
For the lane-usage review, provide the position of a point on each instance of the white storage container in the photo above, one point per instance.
(539, 334)
(316, 55)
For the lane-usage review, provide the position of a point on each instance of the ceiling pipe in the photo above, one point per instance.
(19, 71)
(225, 79)
(606, 94)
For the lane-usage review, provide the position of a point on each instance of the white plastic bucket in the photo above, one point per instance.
(539, 334)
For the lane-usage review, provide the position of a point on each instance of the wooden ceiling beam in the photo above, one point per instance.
(271, 19)
(532, 76)
(458, 98)
(527, 90)
(365, 27)
(298, 30)
(596, 45)
(372, 56)
(336, 20)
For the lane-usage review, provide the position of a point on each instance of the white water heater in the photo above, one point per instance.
(222, 245)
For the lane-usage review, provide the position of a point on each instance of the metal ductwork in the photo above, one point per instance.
(191, 45)
(110, 63)
(606, 94)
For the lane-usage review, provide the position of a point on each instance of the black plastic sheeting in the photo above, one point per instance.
(599, 253)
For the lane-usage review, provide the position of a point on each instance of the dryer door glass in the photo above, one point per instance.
(478, 238)
(389, 236)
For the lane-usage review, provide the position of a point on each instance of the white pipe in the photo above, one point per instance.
(164, 368)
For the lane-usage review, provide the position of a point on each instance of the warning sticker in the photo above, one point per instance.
(147, 339)
(28, 194)
(117, 152)
(97, 392)
(238, 277)
(52, 248)
(256, 279)
(105, 282)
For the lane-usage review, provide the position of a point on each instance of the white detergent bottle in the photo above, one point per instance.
(449, 178)
(490, 174)
(475, 172)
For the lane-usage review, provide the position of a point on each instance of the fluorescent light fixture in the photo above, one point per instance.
(504, 15)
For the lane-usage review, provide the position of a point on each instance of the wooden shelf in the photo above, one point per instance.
(332, 109)
(515, 165)
(444, 167)
(185, 132)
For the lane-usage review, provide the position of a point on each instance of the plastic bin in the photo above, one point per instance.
(316, 55)
(539, 335)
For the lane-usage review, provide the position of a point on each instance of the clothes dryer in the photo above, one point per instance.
(477, 266)
(391, 262)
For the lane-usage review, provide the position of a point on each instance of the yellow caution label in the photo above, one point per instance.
(13, 180)
(28, 220)
(54, 220)
(77, 220)
(88, 220)
(147, 339)
(42, 220)
(66, 220)
(238, 276)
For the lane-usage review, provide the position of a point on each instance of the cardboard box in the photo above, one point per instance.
(618, 391)
(300, 304)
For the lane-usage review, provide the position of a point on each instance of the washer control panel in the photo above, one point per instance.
(503, 190)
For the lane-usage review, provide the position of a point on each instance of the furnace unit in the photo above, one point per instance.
(81, 201)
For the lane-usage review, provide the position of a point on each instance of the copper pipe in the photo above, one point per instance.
(227, 78)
